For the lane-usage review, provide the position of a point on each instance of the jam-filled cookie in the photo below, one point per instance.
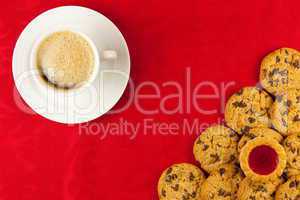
(285, 112)
(180, 182)
(216, 146)
(263, 159)
(290, 190)
(280, 70)
(248, 108)
(258, 132)
(291, 146)
(257, 190)
(222, 184)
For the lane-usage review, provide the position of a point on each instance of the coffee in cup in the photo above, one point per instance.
(65, 60)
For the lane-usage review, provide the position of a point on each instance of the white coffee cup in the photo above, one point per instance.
(98, 56)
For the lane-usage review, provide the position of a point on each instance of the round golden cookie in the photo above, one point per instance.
(290, 171)
(291, 146)
(280, 70)
(257, 142)
(180, 182)
(248, 108)
(257, 190)
(290, 190)
(285, 112)
(222, 184)
(258, 132)
(215, 146)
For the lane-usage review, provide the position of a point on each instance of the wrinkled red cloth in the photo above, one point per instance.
(221, 42)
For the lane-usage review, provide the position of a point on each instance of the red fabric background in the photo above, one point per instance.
(220, 41)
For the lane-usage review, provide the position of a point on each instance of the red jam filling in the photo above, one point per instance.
(263, 160)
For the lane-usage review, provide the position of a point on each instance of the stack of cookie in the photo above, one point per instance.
(256, 156)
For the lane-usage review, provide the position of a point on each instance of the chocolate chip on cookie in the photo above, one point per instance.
(280, 70)
(222, 184)
(216, 146)
(292, 148)
(257, 190)
(258, 132)
(248, 108)
(290, 190)
(285, 112)
(180, 182)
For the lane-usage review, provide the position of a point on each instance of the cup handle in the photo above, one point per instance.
(109, 55)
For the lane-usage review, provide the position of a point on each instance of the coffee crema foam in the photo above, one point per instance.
(65, 60)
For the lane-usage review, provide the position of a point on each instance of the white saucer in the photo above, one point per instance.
(85, 104)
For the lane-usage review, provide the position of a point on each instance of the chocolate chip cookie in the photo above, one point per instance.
(258, 132)
(222, 184)
(280, 70)
(257, 190)
(285, 112)
(180, 182)
(290, 171)
(290, 190)
(216, 146)
(248, 108)
(292, 148)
